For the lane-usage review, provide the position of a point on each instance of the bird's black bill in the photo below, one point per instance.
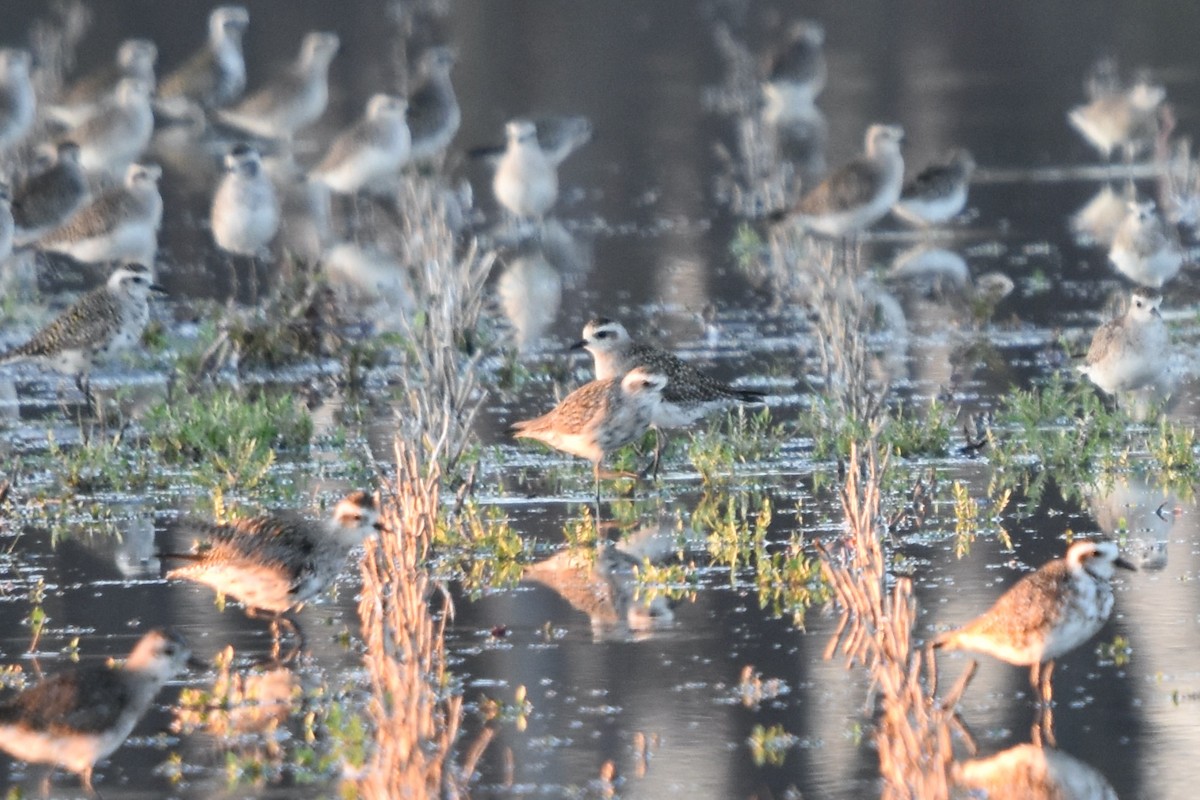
(154, 287)
(1123, 564)
(194, 662)
(580, 345)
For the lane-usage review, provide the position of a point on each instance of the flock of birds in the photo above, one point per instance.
(273, 564)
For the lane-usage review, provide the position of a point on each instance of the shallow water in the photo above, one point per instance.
(646, 238)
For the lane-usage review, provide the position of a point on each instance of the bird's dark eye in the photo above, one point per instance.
(169, 650)
(603, 335)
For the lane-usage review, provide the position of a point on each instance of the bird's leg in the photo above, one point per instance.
(84, 384)
(660, 442)
(1035, 676)
(1047, 691)
(85, 778)
(596, 474)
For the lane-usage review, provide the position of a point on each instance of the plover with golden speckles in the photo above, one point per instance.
(859, 193)
(295, 99)
(108, 319)
(1129, 352)
(937, 193)
(599, 417)
(47, 199)
(795, 71)
(135, 59)
(119, 225)
(1047, 613)
(245, 209)
(1116, 116)
(81, 715)
(434, 115)
(689, 395)
(1144, 249)
(276, 563)
(376, 147)
(18, 101)
(119, 132)
(215, 75)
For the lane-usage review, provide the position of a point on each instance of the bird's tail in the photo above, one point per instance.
(750, 396)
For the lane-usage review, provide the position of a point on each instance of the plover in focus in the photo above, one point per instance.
(1118, 117)
(119, 132)
(1130, 352)
(859, 193)
(938, 193)
(245, 210)
(215, 75)
(1047, 613)
(104, 321)
(18, 102)
(689, 395)
(81, 715)
(47, 199)
(433, 111)
(119, 225)
(526, 179)
(295, 99)
(599, 417)
(1144, 249)
(374, 148)
(276, 563)
(135, 59)
(795, 72)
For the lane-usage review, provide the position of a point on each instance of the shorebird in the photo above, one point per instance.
(245, 209)
(858, 194)
(276, 563)
(689, 395)
(1031, 772)
(1047, 613)
(1130, 352)
(47, 199)
(215, 75)
(119, 225)
(795, 72)
(83, 714)
(1118, 117)
(18, 102)
(108, 319)
(295, 99)
(598, 418)
(1143, 248)
(526, 179)
(938, 193)
(135, 59)
(119, 132)
(375, 147)
(433, 112)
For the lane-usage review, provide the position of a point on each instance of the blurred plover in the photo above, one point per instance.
(375, 147)
(858, 194)
(18, 102)
(689, 394)
(83, 714)
(104, 321)
(599, 417)
(245, 209)
(45, 200)
(526, 180)
(295, 99)
(121, 224)
(1130, 352)
(938, 193)
(1047, 613)
(119, 132)
(215, 75)
(1118, 117)
(1144, 249)
(433, 111)
(795, 72)
(7, 225)
(135, 59)
(276, 563)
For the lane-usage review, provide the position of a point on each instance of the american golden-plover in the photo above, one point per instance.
(18, 101)
(119, 225)
(937, 193)
(526, 179)
(1144, 249)
(1117, 116)
(1129, 352)
(245, 209)
(215, 75)
(434, 115)
(135, 59)
(374, 148)
(45, 200)
(795, 71)
(119, 132)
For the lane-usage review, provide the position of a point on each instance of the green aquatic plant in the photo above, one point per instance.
(101, 462)
(770, 745)
(737, 439)
(790, 581)
(482, 550)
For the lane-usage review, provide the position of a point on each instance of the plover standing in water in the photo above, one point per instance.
(433, 112)
(859, 193)
(1144, 249)
(375, 147)
(526, 179)
(689, 394)
(795, 72)
(119, 225)
(18, 102)
(1047, 613)
(119, 132)
(599, 417)
(215, 75)
(135, 59)
(1130, 352)
(81, 715)
(245, 210)
(938, 193)
(46, 200)
(1118, 117)
(276, 563)
(104, 321)
(295, 99)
